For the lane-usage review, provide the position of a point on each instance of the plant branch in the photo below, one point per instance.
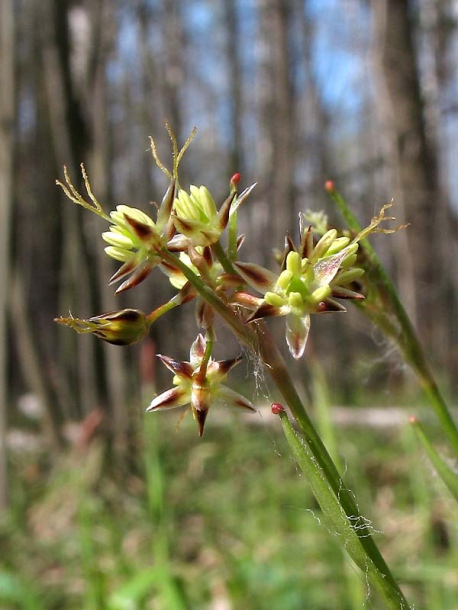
(258, 338)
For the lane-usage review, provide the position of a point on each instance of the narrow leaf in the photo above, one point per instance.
(449, 477)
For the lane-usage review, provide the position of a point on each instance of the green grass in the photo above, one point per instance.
(229, 517)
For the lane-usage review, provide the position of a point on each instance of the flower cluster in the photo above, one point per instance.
(184, 242)
(310, 281)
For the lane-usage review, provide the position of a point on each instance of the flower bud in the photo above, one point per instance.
(293, 263)
(122, 327)
(337, 245)
(323, 244)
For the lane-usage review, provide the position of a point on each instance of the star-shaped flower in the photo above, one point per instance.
(199, 383)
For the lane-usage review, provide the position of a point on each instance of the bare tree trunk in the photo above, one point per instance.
(311, 120)
(173, 62)
(275, 142)
(235, 80)
(70, 140)
(32, 361)
(414, 163)
(7, 117)
(102, 22)
(439, 33)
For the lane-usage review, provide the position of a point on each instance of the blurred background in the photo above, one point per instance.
(289, 94)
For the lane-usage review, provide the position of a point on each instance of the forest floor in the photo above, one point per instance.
(221, 523)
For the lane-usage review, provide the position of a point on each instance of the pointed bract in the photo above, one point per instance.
(297, 331)
(258, 277)
(170, 399)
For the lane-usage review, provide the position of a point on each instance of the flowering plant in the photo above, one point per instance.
(184, 243)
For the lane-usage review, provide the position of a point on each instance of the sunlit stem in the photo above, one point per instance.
(160, 311)
(209, 340)
(226, 263)
(335, 517)
(449, 476)
(407, 341)
(232, 237)
(72, 193)
(258, 339)
(177, 154)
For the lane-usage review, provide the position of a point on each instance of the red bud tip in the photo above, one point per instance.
(329, 186)
(236, 178)
(277, 408)
(413, 419)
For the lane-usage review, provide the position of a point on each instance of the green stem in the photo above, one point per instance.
(257, 337)
(221, 256)
(402, 332)
(332, 511)
(278, 371)
(446, 473)
(232, 237)
(209, 338)
(160, 311)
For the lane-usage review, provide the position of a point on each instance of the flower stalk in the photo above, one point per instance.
(351, 528)
(185, 243)
(258, 338)
(384, 308)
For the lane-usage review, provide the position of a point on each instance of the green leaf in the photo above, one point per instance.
(448, 476)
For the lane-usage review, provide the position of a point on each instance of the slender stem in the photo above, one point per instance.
(446, 473)
(257, 337)
(279, 372)
(208, 352)
(160, 311)
(232, 237)
(221, 256)
(406, 339)
(333, 514)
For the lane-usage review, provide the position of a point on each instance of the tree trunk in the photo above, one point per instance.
(235, 79)
(31, 359)
(414, 164)
(275, 154)
(71, 140)
(7, 118)
(99, 171)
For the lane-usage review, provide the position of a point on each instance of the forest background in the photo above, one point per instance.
(107, 509)
(289, 94)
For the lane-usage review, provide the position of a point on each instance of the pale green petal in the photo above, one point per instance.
(184, 206)
(119, 254)
(337, 245)
(272, 298)
(293, 263)
(207, 202)
(136, 214)
(324, 244)
(117, 239)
